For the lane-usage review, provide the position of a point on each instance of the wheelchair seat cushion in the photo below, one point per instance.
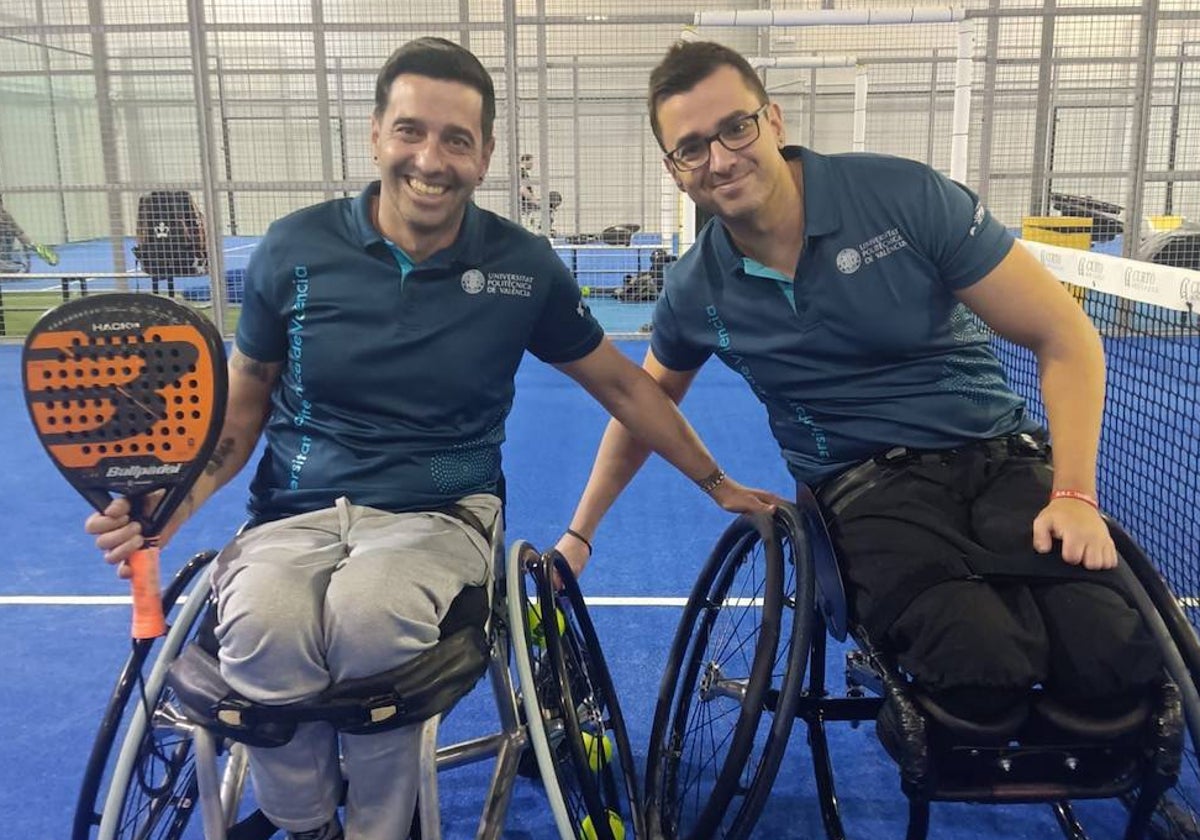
(999, 729)
(206, 699)
(468, 609)
(428, 684)
(1054, 752)
(1092, 727)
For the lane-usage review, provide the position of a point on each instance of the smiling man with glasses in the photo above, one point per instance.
(737, 133)
(845, 289)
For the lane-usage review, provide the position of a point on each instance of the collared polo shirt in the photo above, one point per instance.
(866, 347)
(396, 383)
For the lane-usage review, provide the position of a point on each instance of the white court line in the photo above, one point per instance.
(64, 600)
(618, 601)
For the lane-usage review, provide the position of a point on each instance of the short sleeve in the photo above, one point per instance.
(261, 330)
(962, 238)
(565, 330)
(668, 337)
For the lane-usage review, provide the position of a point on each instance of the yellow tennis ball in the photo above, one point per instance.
(586, 291)
(615, 825)
(598, 750)
(537, 634)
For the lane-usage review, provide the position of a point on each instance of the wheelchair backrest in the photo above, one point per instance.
(171, 239)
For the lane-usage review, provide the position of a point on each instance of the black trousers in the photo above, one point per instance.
(907, 534)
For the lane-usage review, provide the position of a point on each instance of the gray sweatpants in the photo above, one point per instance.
(331, 595)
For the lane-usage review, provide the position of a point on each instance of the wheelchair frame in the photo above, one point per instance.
(15, 259)
(191, 777)
(749, 771)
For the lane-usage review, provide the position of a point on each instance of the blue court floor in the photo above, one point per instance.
(62, 643)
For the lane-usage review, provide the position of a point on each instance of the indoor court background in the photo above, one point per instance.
(1077, 121)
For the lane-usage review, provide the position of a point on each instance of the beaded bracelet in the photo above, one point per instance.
(711, 481)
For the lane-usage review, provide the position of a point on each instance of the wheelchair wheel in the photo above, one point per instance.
(151, 782)
(599, 744)
(1177, 815)
(99, 770)
(576, 727)
(733, 682)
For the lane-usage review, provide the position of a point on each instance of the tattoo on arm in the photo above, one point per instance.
(217, 460)
(259, 370)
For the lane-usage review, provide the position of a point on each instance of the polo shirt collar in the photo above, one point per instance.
(467, 247)
(821, 215)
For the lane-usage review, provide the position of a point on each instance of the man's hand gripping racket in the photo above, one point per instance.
(127, 394)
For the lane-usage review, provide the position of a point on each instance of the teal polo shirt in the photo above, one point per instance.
(865, 347)
(397, 378)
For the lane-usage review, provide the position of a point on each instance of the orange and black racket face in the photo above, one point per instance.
(127, 394)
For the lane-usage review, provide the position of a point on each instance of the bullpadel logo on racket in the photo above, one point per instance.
(142, 472)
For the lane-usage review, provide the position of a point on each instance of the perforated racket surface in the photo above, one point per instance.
(127, 394)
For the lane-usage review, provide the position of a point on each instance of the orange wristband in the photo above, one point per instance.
(1074, 494)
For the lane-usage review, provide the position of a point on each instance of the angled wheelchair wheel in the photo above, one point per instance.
(732, 682)
(146, 788)
(1177, 813)
(129, 695)
(576, 728)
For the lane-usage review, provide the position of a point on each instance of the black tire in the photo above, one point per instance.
(791, 662)
(1177, 816)
(713, 758)
(575, 695)
(591, 709)
(146, 789)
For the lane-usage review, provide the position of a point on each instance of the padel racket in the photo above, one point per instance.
(48, 254)
(127, 394)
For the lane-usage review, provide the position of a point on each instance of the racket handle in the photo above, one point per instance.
(148, 619)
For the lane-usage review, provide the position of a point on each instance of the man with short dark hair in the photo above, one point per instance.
(845, 290)
(376, 350)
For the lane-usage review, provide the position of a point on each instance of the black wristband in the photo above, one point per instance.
(572, 532)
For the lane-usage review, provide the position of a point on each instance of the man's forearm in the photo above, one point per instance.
(1073, 392)
(618, 460)
(246, 410)
(644, 419)
(649, 414)
(232, 452)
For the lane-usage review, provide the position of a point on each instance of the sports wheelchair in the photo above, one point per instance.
(749, 658)
(172, 740)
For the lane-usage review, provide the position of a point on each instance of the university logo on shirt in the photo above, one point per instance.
(473, 281)
(848, 260)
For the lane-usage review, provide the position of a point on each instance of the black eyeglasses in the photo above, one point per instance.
(692, 154)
